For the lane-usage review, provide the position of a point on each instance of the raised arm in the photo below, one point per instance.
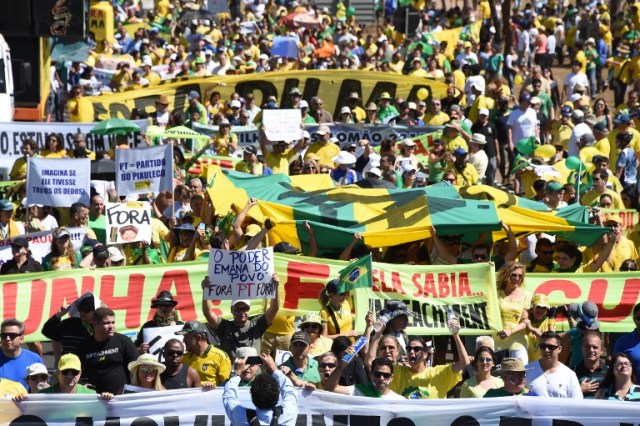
(237, 233)
(313, 243)
(512, 251)
(443, 251)
(271, 312)
(207, 306)
(604, 255)
(346, 253)
(463, 356)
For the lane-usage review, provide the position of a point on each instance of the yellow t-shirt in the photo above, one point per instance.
(344, 317)
(436, 119)
(468, 176)
(511, 313)
(432, 383)
(91, 154)
(480, 102)
(9, 388)
(485, 9)
(325, 152)
(19, 168)
(622, 250)
(280, 163)
(53, 154)
(603, 146)
(457, 142)
(533, 344)
(213, 365)
(85, 110)
(561, 134)
(177, 254)
(222, 144)
(282, 325)
(592, 198)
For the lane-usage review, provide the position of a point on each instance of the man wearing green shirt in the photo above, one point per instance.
(69, 372)
(97, 219)
(300, 364)
(385, 109)
(513, 373)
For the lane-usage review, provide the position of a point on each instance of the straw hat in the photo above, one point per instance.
(146, 359)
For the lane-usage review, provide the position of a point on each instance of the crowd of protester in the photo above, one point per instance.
(491, 135)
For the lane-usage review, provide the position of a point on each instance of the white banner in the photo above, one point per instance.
(58, 182)
(241, 274)
(12, 134)
(156, 337)
(352, 133)
(144, 170)
(40, 243)
(128, 222)
(196, 407)
(282, 124)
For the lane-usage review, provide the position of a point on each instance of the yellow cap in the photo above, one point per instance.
(69, 362)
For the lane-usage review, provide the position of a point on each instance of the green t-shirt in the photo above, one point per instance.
(310, 374)
(494, 393)
(99, 226)
(80, 389)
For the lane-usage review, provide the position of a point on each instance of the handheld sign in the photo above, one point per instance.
(241, 274)
(143, 170)
(128, 222)
(282, 124)
(156, 337)
(58, 182)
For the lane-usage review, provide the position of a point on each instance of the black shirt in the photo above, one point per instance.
(105, 364)
(70, 332)
(11, 267)
(489, 131)
(179, 381)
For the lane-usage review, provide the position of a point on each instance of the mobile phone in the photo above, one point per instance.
(253, 360)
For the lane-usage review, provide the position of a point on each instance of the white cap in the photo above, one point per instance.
(303, 104)
(408, 142)
(115, 255)
(344, 157)
(37, 368)
(208, 52)
(264, 56)
(375, 171)
(483, 111)
(245, 301)
(345, 110)
(577, 114)
(306, 134)
(235, 104)
(146, 60)
(575, 97)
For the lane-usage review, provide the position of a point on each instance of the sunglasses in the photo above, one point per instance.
(414, 349)
(548, 347)
(311, 326)
(327, 364)
(242, 310)
(480, 256)
(518, 375)
(516, 276)
(69, 371)
(381, 375)
(547, 252)
(11, 336)
(148, 369)
(39, 377)
(485, 360)
(173, 353)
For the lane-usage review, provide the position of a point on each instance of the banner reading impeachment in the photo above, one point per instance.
(334, 86)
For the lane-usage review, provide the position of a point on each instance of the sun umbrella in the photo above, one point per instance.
(103, 169)
(115, 126)
(182, 132)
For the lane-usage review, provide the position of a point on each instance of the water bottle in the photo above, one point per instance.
(451, 317)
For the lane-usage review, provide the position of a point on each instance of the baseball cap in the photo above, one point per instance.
(483, 111)
(460, 151)
(554, 186)
(235, 104)
(525, 97)
(193, 95)
(245, 352)
(115, 255)
(303, 104)
(300, 336)
(512, 364)
(69, 362)
(565, 111)
(541, 300)
(622, 118)
(100, 252)
(192, 327)
(408, 142)
(37, 368)
(323, 130)
(250, 149)
(285, 247)
(6, 205)
(20, 242)
(245, 301)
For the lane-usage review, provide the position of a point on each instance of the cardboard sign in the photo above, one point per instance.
(58, 182)
(128, 222)
(241, 274)
(144, 170)
(282, 124)
(40, 243)
(156, 337)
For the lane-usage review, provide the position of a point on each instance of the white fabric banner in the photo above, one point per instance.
(58, 182)
(128, 222)
(12, 134)
(196, 407)
(242, 274)
(40, 243)
(282, 124)
(144, 170)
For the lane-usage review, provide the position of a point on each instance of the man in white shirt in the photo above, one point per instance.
(523, 121)
(524, 52)
(573, 78)
(548, 376)
(580, 128)
(477, 156)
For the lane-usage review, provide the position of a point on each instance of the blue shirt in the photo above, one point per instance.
(629, 344)
(238, 414)
(628, 160)
(16, 368)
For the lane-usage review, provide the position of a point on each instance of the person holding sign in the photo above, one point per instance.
(69, 373)
(381, 378)
(242, 330)
(166, 315)
(145, 372)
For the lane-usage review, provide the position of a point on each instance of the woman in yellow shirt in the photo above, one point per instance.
(225, 143)
(514, 304)
(19, 169)
(55, 147)
(336, 316)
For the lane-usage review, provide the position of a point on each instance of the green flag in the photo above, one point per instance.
(357, 275)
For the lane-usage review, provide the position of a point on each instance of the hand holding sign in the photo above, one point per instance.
(247, 274)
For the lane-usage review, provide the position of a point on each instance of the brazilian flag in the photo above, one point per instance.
(357, 275)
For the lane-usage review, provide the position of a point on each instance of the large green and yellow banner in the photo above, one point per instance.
(429, 291)
(333, 86)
